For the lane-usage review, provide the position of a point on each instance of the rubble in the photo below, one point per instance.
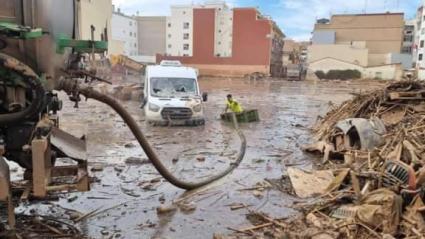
(370, 183)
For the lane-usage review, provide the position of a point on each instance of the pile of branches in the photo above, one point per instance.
(376, 104)
(37, 226)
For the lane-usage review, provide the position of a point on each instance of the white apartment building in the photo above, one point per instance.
(179, 29)
(223, 31)
(124, 29)
(419, 47)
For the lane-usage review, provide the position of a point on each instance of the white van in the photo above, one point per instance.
(171, 94)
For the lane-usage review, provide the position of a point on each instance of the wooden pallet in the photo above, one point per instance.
(408, 95)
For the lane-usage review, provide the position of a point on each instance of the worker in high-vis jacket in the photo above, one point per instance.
(233, 105)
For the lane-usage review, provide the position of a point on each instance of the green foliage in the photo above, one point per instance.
(339, 74)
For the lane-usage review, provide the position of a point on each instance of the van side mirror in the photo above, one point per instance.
(205, 96)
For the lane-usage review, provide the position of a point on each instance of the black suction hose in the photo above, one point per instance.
(33, 83)
(72, 86)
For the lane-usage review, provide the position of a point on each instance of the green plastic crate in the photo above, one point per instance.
(244, 117)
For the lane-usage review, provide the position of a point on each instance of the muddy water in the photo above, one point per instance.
(286, 110)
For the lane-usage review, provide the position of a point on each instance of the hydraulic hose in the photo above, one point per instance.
(72, 87)
(32, 81)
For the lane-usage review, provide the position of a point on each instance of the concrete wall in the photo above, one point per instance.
(124, 28)
(345, 53)
(229, 70)
(384, 72)
(97, 13)
(152, 35)
(248, 31)
(327, 64)
(377, 59)
(323, 37)
(404, 59)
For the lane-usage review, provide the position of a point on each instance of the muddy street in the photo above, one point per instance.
(127, 191)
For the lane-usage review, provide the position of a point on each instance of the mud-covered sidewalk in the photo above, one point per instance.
(128, 197)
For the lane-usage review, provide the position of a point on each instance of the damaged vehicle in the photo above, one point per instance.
(172, 95)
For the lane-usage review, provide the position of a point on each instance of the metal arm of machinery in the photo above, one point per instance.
(73, 87)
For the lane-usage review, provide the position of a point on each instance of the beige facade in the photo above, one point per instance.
(327, 64)
(384, 72)
(97, 13)
(152, 35)
(345, 53)
(379, 33)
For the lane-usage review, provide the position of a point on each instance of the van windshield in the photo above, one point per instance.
(173, 87)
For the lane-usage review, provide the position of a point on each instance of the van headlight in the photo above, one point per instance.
(197, 108)
(153, 107)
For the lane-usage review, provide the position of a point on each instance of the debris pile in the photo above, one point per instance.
(371, 182)
(36, 226)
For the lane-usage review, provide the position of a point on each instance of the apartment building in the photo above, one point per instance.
(409, 37)
(124, 32)
(371, 42)
(219, 40)
(151, 37)
(381, 34)
(419, 47)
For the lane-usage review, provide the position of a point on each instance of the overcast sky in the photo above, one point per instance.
(295, 17)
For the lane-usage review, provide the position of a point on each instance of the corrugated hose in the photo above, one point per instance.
(74, 87)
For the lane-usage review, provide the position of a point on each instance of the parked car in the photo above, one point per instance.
(295, 72)
(172, 95)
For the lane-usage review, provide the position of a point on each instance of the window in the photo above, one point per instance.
(219, 42)
(131, 34)
(420, 57)
(185, 47)
(184, 12)
(407, 49)
(408, 38)
(169, 45)
(131, 23)
(135, 45)
(186, 36)
(422, 44)
(185, 25)
(169, 35)
(169, 24)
